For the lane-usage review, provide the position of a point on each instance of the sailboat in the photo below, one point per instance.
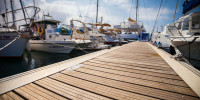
(111, 38)
(132, 30)
(185, 33)
(13, 40)
(80, 35)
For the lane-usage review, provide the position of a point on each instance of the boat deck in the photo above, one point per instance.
(132, 71)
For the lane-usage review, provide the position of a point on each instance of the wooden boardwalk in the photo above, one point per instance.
(133, 71)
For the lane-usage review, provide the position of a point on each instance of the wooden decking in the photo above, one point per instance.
(133, 71)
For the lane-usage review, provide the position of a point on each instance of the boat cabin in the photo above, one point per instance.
(189, 25)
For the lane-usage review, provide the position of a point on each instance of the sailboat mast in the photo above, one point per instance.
(97, 11)
(13, 16)
(6, 13)
(23, 10)
(137, 11)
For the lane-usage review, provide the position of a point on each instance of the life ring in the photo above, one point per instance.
(40, 30)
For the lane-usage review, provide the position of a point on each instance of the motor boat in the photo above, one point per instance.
(185, 36)
(161, 39)
(48, 39)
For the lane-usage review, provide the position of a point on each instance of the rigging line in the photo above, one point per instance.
(131, 9)
(156, 19)
(162, 10)
(146, 15)
(87, 11)
(175, 11)
(26, 11)
(78, 8)
(23, 10)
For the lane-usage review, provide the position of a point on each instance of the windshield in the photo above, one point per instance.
(196, 22)
(186, 24)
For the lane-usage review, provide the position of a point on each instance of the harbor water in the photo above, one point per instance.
(32, 60)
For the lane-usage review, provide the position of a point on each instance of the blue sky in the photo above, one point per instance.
(113, 11)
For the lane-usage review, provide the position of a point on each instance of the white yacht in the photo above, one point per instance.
(185, 36)
(109, 35)
(131, 30)
(48, 39)
(91, 33)
(161, 39)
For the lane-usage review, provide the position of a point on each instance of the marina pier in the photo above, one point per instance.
(137, 70)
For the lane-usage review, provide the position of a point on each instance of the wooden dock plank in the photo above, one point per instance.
(47, 96)
(72, 90)
(25, 94)
(15, 96)
(6, 97)
(34, 94)
(46, 91)
(149, 61)
(132, 71)
(59, 90)
(100, 89)
(139, 64)
(152, 92)
(158, 79)
(157, 85)
(135, 66)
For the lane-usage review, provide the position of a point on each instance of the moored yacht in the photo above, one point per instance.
(161, 39)
(48, 39)
(13, 40)
(185, 36)
(131, 30)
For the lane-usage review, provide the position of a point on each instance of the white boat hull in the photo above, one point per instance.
(52, 46)
(16, 48)
(82, 44)
(193, 53)
(128, 37)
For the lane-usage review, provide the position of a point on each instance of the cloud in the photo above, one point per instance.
(113, 11)
(116, 2)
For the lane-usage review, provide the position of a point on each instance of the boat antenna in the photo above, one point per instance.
(13, 15)
(97, 11)
(23, 10)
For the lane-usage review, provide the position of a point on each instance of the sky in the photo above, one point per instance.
(113, 11)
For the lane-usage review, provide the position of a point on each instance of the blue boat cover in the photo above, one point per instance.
(189, 5)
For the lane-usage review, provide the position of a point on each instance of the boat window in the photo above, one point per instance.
(179, 25)
(186, 24)
(196, 22)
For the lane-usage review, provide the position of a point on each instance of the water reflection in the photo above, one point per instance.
(32, 60)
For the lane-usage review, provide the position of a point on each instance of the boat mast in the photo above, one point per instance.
(137, 11)
(23, 10)
(97, 11)
(13, 16)
(6, 22)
